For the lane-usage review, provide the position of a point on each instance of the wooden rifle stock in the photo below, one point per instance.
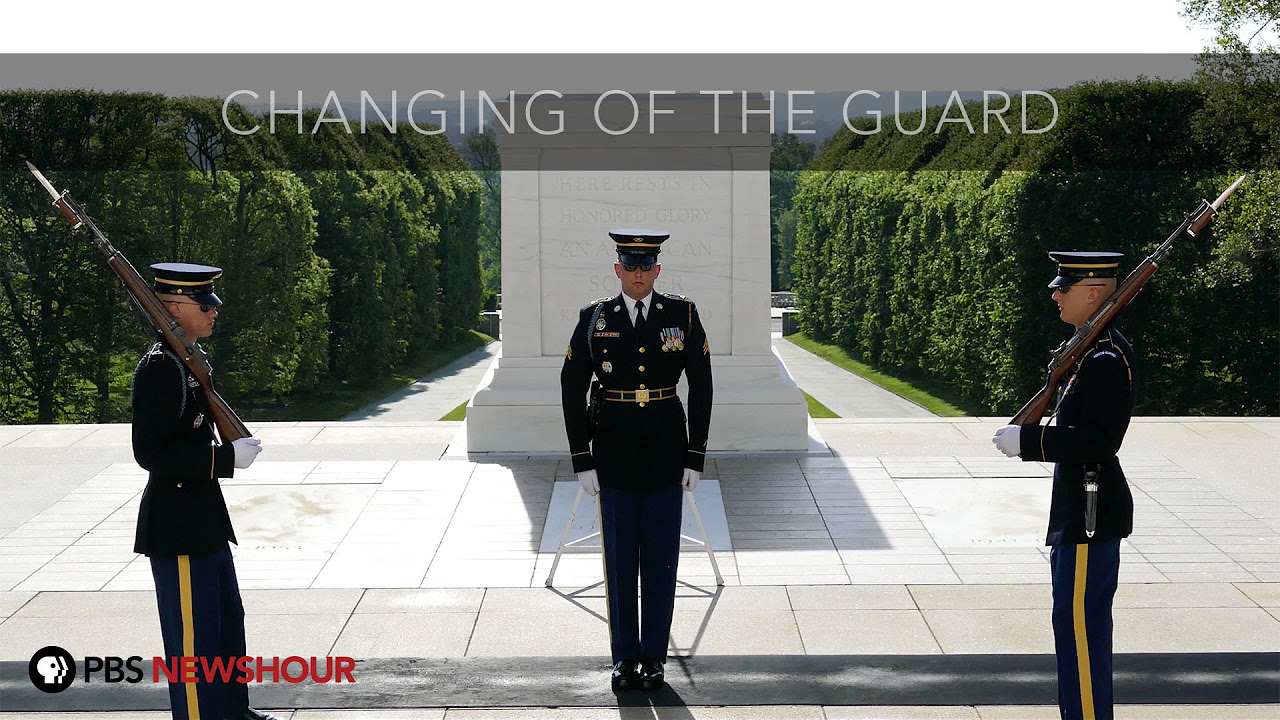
(1070, 351)
(229, 425)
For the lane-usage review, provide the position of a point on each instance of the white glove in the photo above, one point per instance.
(1007, 440)
(589, 481)
(690, 479)
(247, 450)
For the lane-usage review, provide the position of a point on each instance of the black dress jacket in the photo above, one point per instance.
(183, 511)
(638, 444)
(1095, 402)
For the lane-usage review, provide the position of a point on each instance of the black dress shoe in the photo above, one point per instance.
(624, 675)
(651, 675)
(251, 714)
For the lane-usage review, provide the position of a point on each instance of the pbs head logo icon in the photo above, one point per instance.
(52, 669)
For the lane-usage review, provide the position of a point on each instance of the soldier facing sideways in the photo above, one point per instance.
(637, 344)
(1092, 508)
(183, 524)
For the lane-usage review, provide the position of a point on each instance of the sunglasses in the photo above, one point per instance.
(632, 268)
(203, 307)
(1064, 289)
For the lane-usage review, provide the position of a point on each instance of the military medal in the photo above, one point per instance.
(199, 419)
(606, 366)
(672, 339)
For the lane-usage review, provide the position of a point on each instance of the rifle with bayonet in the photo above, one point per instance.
(229, 425)
(1070, 351)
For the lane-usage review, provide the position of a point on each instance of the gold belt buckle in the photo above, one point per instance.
(642, 396)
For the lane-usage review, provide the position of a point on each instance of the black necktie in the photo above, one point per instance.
(639, 315)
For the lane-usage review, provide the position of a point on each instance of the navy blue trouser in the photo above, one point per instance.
(201, 616)
(640, 531)
(1084, 584)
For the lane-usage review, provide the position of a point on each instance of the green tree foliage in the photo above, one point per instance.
(457, 211)
(401, 242)
(367, 225)
(790, 155)
(1238, 22)
(938, 270)
(258, 227)
(59, 306)
(457, 200)
(1240, 79)
(481, 153)
(333, 268)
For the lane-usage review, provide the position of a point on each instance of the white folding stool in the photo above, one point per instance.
(567, 545)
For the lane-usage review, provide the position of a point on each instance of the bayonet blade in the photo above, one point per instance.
(1227, 193)
(43, 181)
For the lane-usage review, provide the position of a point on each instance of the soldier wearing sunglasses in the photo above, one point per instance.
(183, 524)
(1092, 507)
(644, 452)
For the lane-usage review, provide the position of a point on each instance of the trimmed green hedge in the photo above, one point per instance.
(941, 270)
(360, 258)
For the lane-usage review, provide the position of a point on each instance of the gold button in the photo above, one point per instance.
(606, 350)
(642, 386)
(179, 484)
(641, 350)
(640, 404)
(641, 368)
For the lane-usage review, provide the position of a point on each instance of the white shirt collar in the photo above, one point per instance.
(631, 307)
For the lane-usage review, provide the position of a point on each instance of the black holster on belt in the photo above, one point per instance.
(593, 408)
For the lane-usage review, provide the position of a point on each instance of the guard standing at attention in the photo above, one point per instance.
(1092, 508)
(637, 449)
(183, 524)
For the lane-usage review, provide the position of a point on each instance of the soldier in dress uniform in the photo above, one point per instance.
(183, 525)
(641, 455)
(1092, 507)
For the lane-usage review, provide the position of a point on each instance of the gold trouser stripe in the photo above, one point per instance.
(1082, 639)
(1041, 427)
(213, 461)
(608, 612)
(188, 630)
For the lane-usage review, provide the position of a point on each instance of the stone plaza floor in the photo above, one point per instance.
(900, 538)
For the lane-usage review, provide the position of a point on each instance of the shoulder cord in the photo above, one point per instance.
(182, 382)
(591, 331)
(182, 378)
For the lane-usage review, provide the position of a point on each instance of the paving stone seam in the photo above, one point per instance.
(338, 544)
(350, 616)
(105, 518)
(435, 552)
(818, 506)
(471, 636)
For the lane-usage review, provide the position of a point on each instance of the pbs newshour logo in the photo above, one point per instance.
(52, 669)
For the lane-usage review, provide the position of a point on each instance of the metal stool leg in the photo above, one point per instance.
(566, 544)
(706, 541)
(565, 536)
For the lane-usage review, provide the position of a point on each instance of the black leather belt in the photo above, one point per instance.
(640, 396)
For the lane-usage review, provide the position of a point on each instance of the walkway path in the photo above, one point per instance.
(847, 394)
(432, 397)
